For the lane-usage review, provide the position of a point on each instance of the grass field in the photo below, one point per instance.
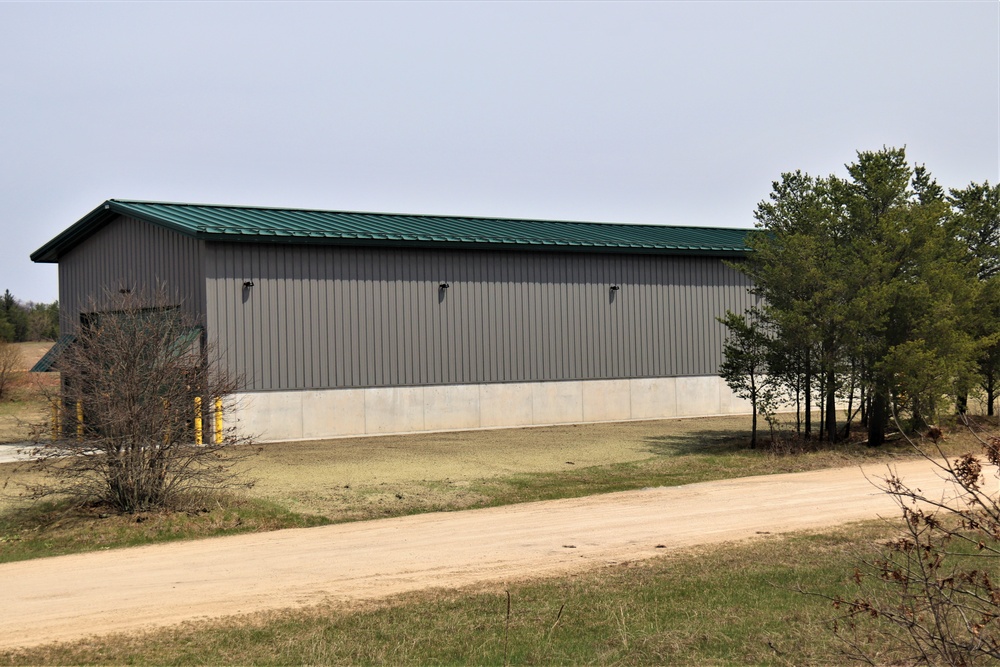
(303, 484)
(313, 483)
(730, 605)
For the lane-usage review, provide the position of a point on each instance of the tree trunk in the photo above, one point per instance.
(798, 404)
(808, 398)
(991, 393)
(831, 404)
(865, 399)
(850, 406)
(822, 405)
(878, 418)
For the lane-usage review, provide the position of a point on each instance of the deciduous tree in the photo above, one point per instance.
(143, 411)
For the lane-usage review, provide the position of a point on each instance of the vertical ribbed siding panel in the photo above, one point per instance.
(348, 340)
(321, 321)
(253, 269)
(521, 343)
(277, 304)
(361, 317)
(373, 306)
(339, 341)
(486, 306)
(405, 324)
(399, 323)
(128, 254)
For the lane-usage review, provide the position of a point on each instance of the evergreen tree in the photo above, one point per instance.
(868, 288)
(745, 367)
(976, 224)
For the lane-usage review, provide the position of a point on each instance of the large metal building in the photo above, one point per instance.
(361, 323)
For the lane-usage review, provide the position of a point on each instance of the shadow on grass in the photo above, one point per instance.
(699, 442)
(721, 442)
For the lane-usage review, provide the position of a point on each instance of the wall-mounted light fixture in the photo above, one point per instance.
(444, 286)
(247, 284)
(125, 290)
(615, 288)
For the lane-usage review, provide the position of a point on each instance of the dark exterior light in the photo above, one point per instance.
(444, 286)
(247, 284)
(615, 288)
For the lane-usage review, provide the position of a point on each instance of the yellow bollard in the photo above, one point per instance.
(197, 420)
(218, 420)
(79, 420)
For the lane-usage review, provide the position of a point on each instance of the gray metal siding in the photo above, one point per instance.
(133, 255)
(320, 317)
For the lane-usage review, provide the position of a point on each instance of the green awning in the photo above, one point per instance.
(187, 337)
(48, 362)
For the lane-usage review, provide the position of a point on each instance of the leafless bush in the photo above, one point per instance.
(10, 363)
(138, 394)
(932, 596)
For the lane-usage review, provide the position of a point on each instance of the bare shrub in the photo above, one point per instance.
(10, 366)
(138, 393)
(932, 595)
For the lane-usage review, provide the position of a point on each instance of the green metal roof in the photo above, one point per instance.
(287, 225)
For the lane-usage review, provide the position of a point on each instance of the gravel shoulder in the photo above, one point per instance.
(71, 597)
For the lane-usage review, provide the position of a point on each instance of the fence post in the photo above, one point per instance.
(197, 420)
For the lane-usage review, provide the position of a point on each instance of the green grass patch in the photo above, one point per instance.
(729, 462)
(715, 457)
(57, 528)
(730, 605)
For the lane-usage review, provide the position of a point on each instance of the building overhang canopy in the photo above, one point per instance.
(50, 360)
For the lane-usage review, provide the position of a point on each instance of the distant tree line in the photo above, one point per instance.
(879, 292)
(22, 321)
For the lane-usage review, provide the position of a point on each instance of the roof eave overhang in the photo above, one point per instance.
(455, 245)
(88, 225)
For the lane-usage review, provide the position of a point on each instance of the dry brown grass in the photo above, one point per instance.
(444, 469)
(364, 478)
(32, 352)
(26, 403)
(360, 478)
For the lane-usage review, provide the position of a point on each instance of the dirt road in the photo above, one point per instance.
(70, 597)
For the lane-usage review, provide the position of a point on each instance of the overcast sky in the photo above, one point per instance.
(676, 113)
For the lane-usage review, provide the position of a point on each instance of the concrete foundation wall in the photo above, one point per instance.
(310, 415)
